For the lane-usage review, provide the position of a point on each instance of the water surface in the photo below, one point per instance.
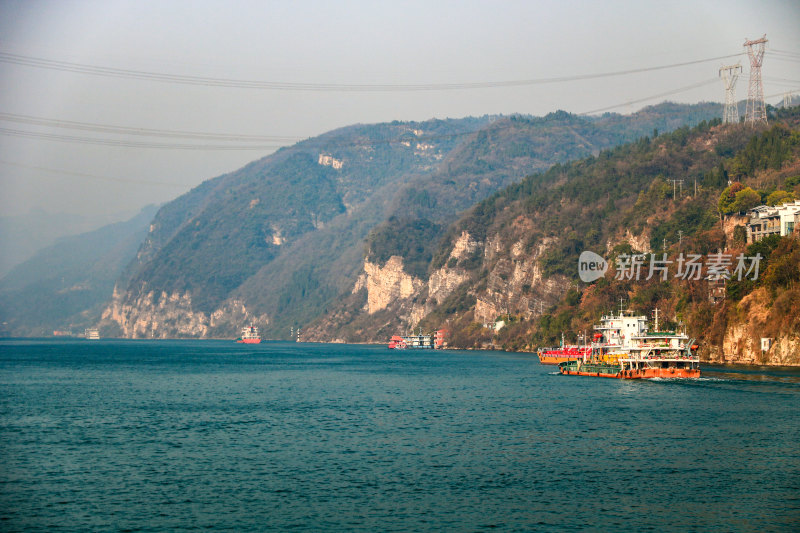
(178, 435)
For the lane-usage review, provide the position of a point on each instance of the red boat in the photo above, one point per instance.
(435, 342)
(249, 335)
(553, 356)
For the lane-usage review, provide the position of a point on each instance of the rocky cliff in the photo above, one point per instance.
(172, 316)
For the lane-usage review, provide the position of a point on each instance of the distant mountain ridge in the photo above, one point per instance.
(65, 286)
(21, 236)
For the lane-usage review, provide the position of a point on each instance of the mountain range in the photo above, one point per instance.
(283, 242)
(278, 242)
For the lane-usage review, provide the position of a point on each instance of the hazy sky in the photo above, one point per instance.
(71, 69)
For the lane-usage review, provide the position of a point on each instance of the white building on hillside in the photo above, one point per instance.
(768, 220)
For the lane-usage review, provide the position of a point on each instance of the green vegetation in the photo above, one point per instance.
(412, 239)
(779, 197)
(630, 191)
(767, 151)
(737, 199)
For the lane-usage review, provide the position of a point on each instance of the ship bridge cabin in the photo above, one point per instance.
(618, 332)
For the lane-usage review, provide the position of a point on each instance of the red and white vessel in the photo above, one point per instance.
(419, 341)
(565, 352)
(249, 335)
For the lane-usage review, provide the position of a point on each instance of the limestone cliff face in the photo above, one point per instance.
(753, 321)
(444, 281)
(388, 283)
(516, 284)
(163, 316)
(389, 287)
(730, 222)
(154, 315)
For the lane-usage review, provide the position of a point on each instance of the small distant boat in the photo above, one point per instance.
(249, 335)
(418, 341)
(92, 334)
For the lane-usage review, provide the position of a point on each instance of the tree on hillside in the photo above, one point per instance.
(737, 198)
(779, 198)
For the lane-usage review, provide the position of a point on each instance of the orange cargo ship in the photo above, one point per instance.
(625, 349)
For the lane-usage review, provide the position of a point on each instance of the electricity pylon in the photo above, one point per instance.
(729, 76)
(756, 110)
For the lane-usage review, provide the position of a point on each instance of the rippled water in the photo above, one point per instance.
(174, 435)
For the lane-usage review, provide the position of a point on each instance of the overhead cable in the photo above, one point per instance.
(661, 95)
(148, 132)
(132, 144)
(93, 176)
(112, 72)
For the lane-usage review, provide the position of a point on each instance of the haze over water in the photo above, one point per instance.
(173, 435)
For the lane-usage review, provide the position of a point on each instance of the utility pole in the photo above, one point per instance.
(674, 185)
(756, 109)
(729, 76)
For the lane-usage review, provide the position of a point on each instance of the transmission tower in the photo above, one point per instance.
(756, 110)
(729, 76)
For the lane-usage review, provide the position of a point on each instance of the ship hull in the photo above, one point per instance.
(609, 371)
(554, 356)
(249, 341)
(556, 359)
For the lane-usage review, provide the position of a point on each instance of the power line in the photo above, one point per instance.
(131, 144)
(782, 81)
(112, 72)
(788, 53)
(783, 93)
(93, 176)
(173, 134)
(311, 143)
(645, 99)
(788, 59)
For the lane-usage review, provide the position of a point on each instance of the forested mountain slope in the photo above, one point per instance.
(514, 256)
(279, 241)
